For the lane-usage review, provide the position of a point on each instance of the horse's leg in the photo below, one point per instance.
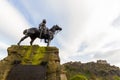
(22, 39)
(45, 40)
(48, 43)
(32, 39)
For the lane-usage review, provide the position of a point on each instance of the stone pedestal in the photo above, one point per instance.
(30, 63)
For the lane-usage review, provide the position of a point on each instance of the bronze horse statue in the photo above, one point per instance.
(34, 33)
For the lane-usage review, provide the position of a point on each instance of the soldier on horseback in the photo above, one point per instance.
(43, 28)
(34, 33)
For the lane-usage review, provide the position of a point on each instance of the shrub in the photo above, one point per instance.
(79, 77)
(116, 78)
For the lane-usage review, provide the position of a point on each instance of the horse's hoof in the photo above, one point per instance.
(30, 44)
(18, 44)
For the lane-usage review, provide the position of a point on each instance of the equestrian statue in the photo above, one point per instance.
(42, 33)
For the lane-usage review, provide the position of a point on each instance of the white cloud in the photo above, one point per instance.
(94, 27)
(11, 21)
(3, 50)
(12, 24)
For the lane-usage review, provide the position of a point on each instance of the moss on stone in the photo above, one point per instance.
(29, 55)
(37, 58)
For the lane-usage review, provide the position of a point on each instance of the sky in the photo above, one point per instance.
(91, 28)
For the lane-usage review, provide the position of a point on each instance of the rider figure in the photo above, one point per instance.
(42, 27)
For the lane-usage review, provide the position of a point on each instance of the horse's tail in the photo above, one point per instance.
(25, 31)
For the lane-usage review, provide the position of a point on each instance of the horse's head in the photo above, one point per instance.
(57, 28)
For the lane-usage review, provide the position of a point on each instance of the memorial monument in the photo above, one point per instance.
(32, 62)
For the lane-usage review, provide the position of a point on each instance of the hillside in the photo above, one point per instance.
(99, 70)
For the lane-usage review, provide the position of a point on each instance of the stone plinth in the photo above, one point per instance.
(30, 63)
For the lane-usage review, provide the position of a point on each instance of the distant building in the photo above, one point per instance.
(79, 62)
(102, 61)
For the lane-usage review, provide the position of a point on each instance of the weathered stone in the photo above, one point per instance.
(29, 58)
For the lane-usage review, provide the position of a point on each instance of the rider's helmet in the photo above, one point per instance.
(44, 20)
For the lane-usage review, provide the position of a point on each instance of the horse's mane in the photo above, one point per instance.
(52, 28)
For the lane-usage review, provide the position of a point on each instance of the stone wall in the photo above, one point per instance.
(22, 61)
(102, 62)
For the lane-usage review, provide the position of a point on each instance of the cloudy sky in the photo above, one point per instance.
(91, 28)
